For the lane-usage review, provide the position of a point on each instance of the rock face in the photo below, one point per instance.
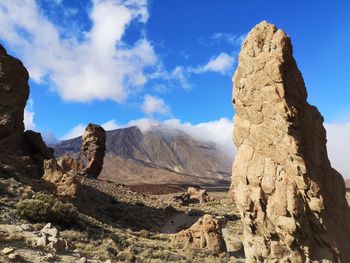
(204, 234)
(62, 184)
(292, 202)
(21, 152)
(14, 92)
(70, 164)
(94, 148)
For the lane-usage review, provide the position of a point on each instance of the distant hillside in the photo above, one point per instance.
(158, 156)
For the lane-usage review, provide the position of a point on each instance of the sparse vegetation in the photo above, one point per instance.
(47, 208)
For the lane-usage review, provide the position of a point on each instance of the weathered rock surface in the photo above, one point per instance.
(14, 92)
(292, 202)
(70, 164)
(192, 196)
(94, 148)
(21, 152)
(204, 234)
(61, 183)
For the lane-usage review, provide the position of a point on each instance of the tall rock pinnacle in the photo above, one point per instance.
(94, 148)
(292, 202)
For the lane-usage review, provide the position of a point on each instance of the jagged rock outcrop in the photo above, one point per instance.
(292, 202)
(94, 148)
(59, 182)
(192, 196)
(21, 152)
(204, 234)
(89, 161)
(70, 164)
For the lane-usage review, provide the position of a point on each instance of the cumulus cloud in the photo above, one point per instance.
(152, 105)
(338, 145)
(223, 64)
(98, 66)
(75, 132)
(29, 116)
(218, 131)
(110, 125)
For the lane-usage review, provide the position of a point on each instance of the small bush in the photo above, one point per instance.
(47, 208)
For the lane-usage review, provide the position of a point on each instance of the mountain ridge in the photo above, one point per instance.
(159, 155)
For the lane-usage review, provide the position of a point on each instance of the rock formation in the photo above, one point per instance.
(70, 164)
(21, 152)
(89, 161)
(192, 196)
(205, 233)
(59, 182)
(94, 148)
(292, 202)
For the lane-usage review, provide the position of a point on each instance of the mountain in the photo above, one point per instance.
(160, 155)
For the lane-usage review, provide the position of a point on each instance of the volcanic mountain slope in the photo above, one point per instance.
(160, 155)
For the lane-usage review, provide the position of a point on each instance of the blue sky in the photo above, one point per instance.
(123, 62)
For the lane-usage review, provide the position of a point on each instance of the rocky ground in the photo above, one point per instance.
(35, 226)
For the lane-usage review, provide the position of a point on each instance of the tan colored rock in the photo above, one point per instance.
(292, 202)
(204, 234)
(59, 181)
(7, 250)
(193, 195)
(94, 148)
(70, 164)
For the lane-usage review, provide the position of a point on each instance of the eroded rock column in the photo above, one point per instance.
(292, 202)
(94, 148)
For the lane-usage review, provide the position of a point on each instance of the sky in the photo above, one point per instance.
(137, 62)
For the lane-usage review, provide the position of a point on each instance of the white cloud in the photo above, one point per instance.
(223, 64)
(152, 104)
(110, 125)
(338, 145)
(74, 132)
(100, 66)
(218, 132)
(29, 116)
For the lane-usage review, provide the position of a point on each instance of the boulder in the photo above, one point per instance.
(292, 202)
(204, 234)
(192, 196)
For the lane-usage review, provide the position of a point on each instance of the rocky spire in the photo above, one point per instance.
(93, 148)
(292, 202)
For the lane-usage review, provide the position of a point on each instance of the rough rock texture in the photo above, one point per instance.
(292, 202)
(94, 148)
(14, 92)
(21, 152)
(70, 164)
(205, 233)
(193, 195)
(61, 183)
